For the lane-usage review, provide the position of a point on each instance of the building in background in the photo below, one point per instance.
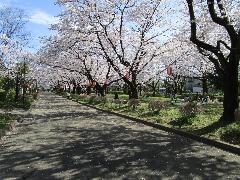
(193, 85)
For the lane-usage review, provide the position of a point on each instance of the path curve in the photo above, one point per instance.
(65, 140)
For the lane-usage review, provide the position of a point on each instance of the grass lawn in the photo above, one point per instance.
(206, 123)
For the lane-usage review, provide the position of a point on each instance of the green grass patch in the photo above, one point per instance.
(205, 123)
(5, 119)
(230, 133)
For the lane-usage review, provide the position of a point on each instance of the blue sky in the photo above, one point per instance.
(41, 14)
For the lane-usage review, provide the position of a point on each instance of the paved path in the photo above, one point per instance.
(65, 140)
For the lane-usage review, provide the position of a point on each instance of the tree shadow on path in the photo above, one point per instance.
(91, 144)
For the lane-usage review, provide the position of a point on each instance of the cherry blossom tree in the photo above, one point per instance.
(188, 62)
(126, 32)
(66, 53)
(225, 52)
(13, 36)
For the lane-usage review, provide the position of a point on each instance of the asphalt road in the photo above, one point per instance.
(60, 139)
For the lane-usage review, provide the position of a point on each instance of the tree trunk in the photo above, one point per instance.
(204, 85)
(74, 89)
(230, 102)
(133, 93)
(181, 86)
(69, 87)
(100, 90)
(88, 90)
(125, 89)
(154, 91)
(140, 89)
(153, 86)
(175, 87)
(78, 89)
(17, 88)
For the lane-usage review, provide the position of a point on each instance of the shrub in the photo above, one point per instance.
(75, 97)
(35, 95)
(91, 99)
(117, 101)
(156, 105)
(189, 109)
(26, 104)
(28, 101)
(3, 95)
(83, 96)
(68, 95)
(11, 95)
(5, 119)
(65, 94)
(97, 99)
(134, 103)
(7, 95)
(103, 99)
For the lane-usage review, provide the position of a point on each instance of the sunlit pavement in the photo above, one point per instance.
(64, 140)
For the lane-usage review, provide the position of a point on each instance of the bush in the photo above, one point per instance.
(11, 95)
(7, 95)
(35, 95)
(92, 99)
(189, 109)
(5, 119)
(3, 95)
(68, 95)
(80, 97)
(102, 99)
(64, 94)
(83, 96)
(134, 103)
(117, 101)
(156, 105)
(97, 99)
(28, 102)
(7, 83)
